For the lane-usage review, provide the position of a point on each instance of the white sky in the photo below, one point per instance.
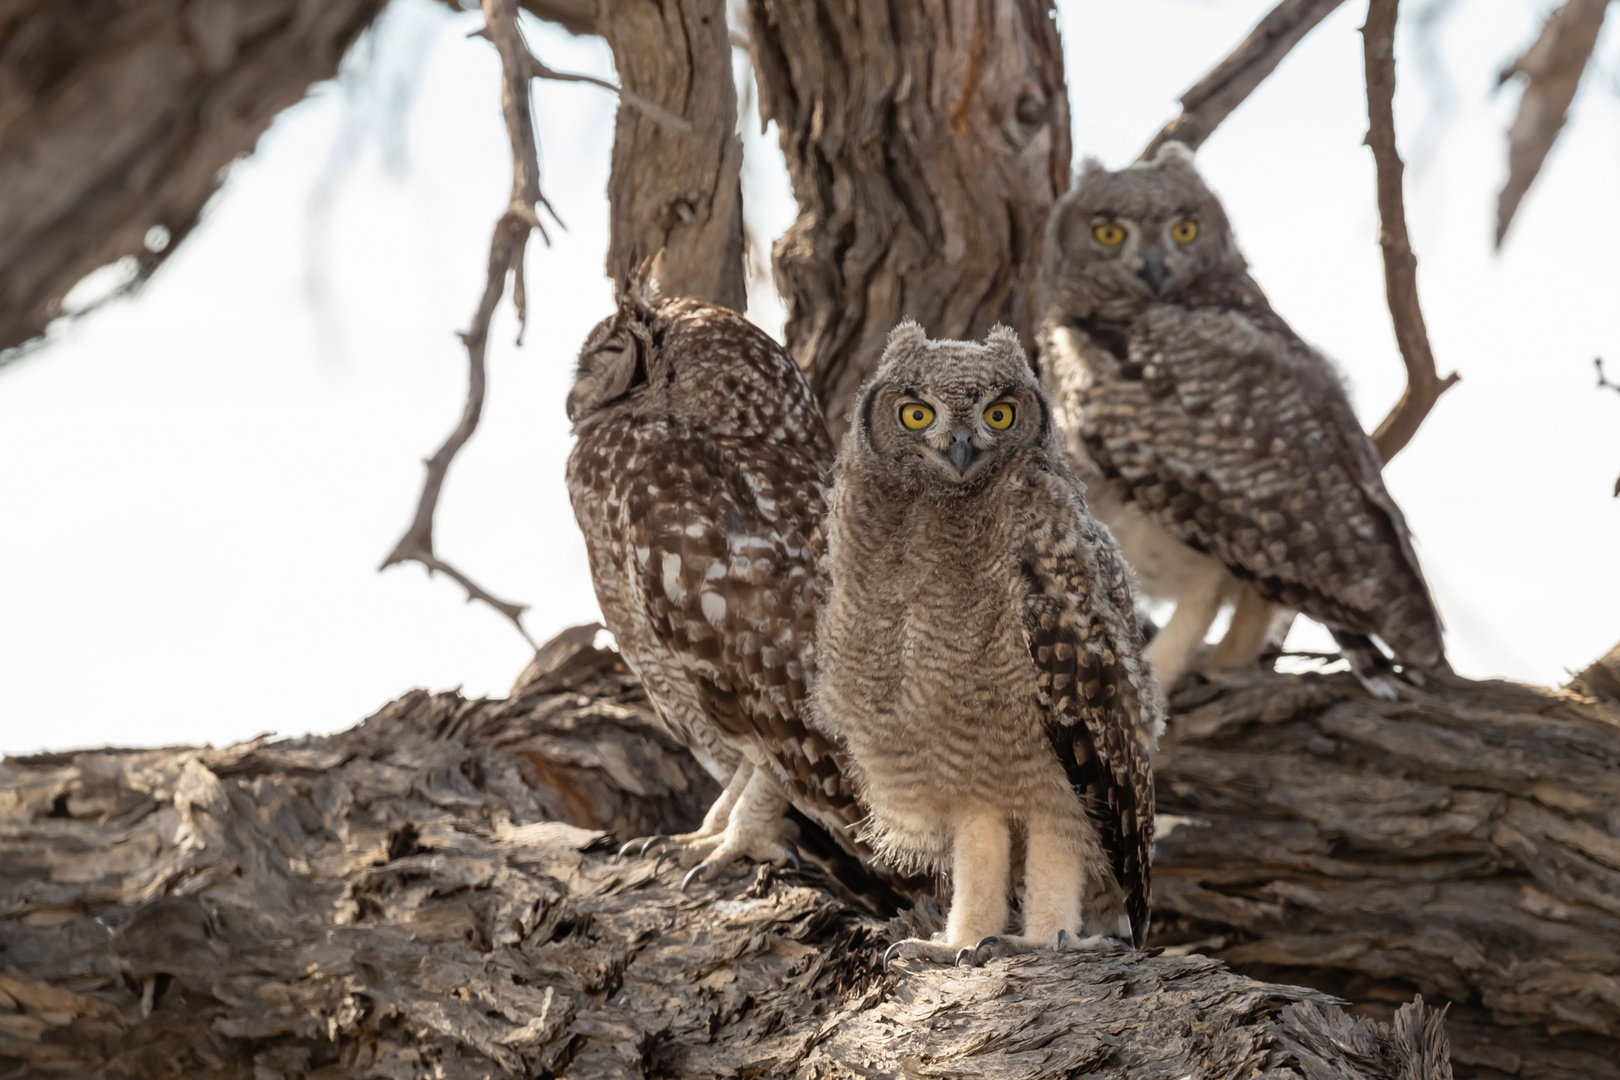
(198, 483)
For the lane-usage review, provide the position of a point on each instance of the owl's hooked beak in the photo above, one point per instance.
(1153, 270)
(962, 451)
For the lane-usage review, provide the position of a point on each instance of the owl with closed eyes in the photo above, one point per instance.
(979, 657)
(1219, 447)
(698, 480)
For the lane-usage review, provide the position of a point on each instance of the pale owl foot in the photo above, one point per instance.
(1000, 945)
(934, 950)
(764, 849)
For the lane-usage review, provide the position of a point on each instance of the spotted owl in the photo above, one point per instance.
(697, 479)
(1220, 448)
(979, 655)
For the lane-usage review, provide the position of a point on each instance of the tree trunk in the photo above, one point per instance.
(673, 190)
(430, 894)
(926, 144)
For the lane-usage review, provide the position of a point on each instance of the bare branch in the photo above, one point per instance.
(1552, 68)
(1228, 83)
(578, 17)
(1597, 362)
(506, 248)
(1423, 385)
(655, 113)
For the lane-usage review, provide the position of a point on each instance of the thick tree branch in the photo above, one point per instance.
(433, 893)
(1213, 98)
(117, 122)
(1552, 68)
(506, 248)
(1423, 384)
(676, 184)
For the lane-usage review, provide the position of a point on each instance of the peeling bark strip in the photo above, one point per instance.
(926, 144)
(679, 191)
(1462, 843)
(115, 118)
(1423, 383)
(424, 896)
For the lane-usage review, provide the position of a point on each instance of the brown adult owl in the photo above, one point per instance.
(697, 479)
(1220, 448)
(980, 657)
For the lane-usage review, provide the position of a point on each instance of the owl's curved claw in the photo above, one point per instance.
(976, 955)
(790, 853)
(700, 872)
(641, 845)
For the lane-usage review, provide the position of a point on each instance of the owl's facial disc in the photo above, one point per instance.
(957, 432)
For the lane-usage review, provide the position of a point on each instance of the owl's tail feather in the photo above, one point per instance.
(1369, 664)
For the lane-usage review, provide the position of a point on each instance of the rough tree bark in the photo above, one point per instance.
(118, 118)
(1463, 842)
(926, 144)
(433, 894)
(679, 191)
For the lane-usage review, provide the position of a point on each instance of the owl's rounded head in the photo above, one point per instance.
(945, 414)
(1146, 232)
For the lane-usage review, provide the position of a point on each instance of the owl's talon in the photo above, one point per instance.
(888, 954)
(701, 872)
(1061, 942)
(790, 855)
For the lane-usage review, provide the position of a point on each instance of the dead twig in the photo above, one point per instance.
(506, 248)
(657, 114)
(1212, 98)
(537, 68)
(1423, 385)
(1597, 362)
(1552, 69)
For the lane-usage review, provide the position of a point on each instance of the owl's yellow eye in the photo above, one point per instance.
(1184, 231)
(916, 415)
(999, 416)
(1108, 234)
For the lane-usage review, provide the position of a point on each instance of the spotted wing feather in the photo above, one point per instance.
(1236, 437)
(1103, 711)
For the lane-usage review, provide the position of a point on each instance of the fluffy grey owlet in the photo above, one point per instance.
(697, 480)
(1220, 448)
(979, 654)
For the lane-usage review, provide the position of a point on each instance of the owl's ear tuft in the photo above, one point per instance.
(909, 334)
(1174, 155)
(1090, 167)
(1003, 339)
